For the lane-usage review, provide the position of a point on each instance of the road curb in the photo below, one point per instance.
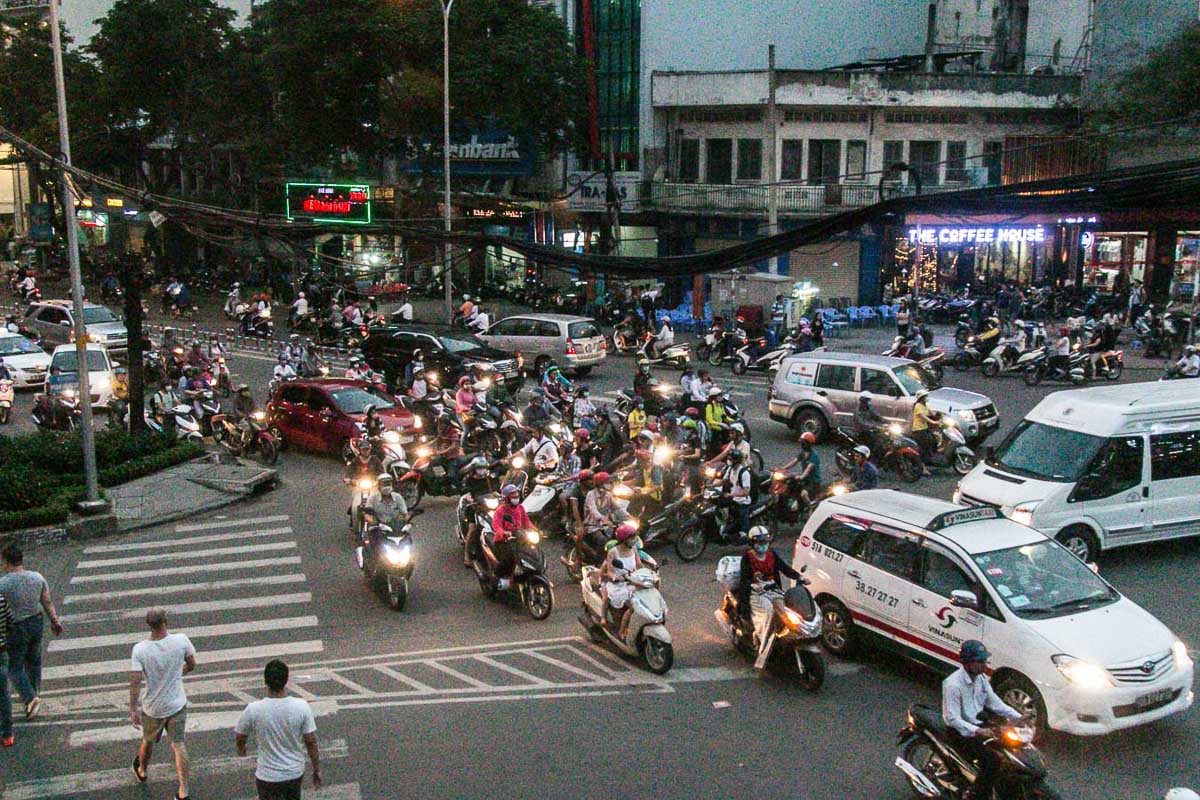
(224, 502)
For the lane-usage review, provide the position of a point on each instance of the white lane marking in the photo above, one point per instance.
(162, 772)
(161, 543)
(554, 662)
(265, 601)
(231, 523)
(198, 586)
(349, 684)
(706, 674)
(343, 791)
(413, 682)
(197, 722)
(533, 680)
(194, 632)
(121, 665)
(189, 570)
(266, 547)
(458, 676)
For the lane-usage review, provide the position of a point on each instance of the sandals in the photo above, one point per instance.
(137, 771)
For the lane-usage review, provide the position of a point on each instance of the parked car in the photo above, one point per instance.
(450, 352)
(65, 360)
(814, 392)
(921, 576)
(26, 362)
(54, 322)
(574, 343)
(1099, 468)
(320, 414)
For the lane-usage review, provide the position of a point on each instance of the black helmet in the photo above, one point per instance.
(736, 456)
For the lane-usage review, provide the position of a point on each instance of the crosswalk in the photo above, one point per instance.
(234, 586)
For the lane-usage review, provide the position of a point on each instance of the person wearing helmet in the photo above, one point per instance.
(1181, 793)
(299, 312)
(403, 314)
(760, 583)
(386, 506)
(243, 403)
(866, 419)
(922, 418)
(605, 441)
(418, 387)
(1062, 350)
(284, 371)
(555, 385)
(863, 474)
(685, 382)
(584, 412)
(508, 519)
(967, 694)
(715, 417)
(737, 441)
(641, 378)
(738, 489)
(647, 480)
(415, 363)
(572, 498)
(464, 398)
(1188, 365)
(635, 421)
(197, 358)
(477, 482)
(541, 451)
(809, 463)
(538, 411)
(619, 563)
(663, 339)
(601, 512)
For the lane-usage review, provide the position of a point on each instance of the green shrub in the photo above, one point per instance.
(123, 473)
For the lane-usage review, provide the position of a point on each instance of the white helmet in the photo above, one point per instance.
(759, 533)
(301, 295)
(714, 392)
(863, 451)
(1181, 793)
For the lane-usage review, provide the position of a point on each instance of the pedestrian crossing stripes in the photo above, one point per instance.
(230, 585)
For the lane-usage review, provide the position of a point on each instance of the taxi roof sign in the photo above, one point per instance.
(961, 516)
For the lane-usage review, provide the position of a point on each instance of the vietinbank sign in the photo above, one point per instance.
(986, 234)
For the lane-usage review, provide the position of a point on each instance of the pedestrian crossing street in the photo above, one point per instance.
(234, 586)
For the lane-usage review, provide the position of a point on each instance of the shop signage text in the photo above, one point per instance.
(980, 235)
(495, 153)
(587, 191)
(321, 202)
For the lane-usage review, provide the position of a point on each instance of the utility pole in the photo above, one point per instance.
(80, 332)
(772, 133)
(447, 264)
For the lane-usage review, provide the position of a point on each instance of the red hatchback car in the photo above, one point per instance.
(320, 414)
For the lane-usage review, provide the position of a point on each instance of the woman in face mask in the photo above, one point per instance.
(760, 585)
(508, 519)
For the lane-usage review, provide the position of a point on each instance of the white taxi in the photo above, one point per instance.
(924, 575)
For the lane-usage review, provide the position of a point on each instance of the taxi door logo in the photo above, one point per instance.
(945, 617)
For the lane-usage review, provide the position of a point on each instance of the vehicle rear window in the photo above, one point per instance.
(583, 330)
(292, 394)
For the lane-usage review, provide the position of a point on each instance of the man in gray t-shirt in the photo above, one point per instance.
(283, 729)
(28, 596)
(161, 661)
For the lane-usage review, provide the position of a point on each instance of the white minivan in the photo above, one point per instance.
(1099, 468)
(922, 576)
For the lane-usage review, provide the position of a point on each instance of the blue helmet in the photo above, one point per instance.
(973, 651)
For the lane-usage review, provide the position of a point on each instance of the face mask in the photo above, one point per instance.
(761, 549)
(386, 491)
(514, 501)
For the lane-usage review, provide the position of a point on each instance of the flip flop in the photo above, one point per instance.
(137, 773)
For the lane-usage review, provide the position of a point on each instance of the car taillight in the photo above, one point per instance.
(570, 347)
(604, 345)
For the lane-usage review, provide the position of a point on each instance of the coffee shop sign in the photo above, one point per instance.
(977, 235)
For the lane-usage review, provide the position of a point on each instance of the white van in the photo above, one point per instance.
(1099, 468)
(922, 576)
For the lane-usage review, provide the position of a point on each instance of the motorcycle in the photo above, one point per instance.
(1006, 358)
(542, 504)
(663, 398)
(1157, 340)
(677, 356)
(725, 345)
(1039, 369)
(625, 336)
(57, 412)
(1110, 366)
(708, 524)
(766, 361)
(950, 447)
(891, 450)
(935, 768)
(930, 361)
(7, 395)
(235, 307)
(972, 352)
(364, 487)
(786, 506)
(646, 636)
(222, 380)
(256, 438)
(424, 476)
(386, 560)
(205, 406)
(529, 584)
(186, 426)
(794, 633)
(254, 324)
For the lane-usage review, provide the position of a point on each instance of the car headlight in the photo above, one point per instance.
(1023, 512)
(391, 437)
(1082, 674)
(966, 414)
(1183, 659)
(532, 536)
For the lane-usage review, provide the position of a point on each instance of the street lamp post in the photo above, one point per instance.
(80, 332)
(447, 270)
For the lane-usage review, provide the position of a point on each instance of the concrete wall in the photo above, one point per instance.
(816, 262)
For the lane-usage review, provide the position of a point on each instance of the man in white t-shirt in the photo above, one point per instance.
(161, 662)
(283, 728)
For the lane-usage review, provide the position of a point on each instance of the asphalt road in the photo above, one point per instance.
(459, 696)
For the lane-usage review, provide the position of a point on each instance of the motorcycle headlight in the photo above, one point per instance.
(518, 462)
(710, 472)
(417, 423)
(777, 475)
(492, 503)
(622, 491)
(838, 490)
(1023, 512)
(895, 429)
(1082, 674)
(431, 377)
(793, 619)
(259, 416)
(662, 389)
(1183, 659)
(324, 370)
(69, 394)
(366, 485)
(1017, 737)
(391, 437)
(555, 427)
(532, 536)
(398, 556)
(424, 452)
(635, 522)
(949, 423)
(663, 455)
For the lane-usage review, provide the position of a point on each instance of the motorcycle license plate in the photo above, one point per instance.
(1154, 698)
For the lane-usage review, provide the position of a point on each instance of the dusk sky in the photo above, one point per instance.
(80, 14)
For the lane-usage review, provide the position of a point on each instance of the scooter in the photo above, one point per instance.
(708, 524)
(786, 506)
(931, 361)
(542, 504)
(794, 633)
(725, 346)
(936, 769)
(890, 450)
(257, 438)
(528, 584)
(235, 307)
(254, 324)
(386, 560)
(57, 412)
(646, 636)
(1110, 365)
(6, 401)
(973, 350)
(677, 356)
(950, 447)
(1006, 358)
(1039, 369)
(765, 361)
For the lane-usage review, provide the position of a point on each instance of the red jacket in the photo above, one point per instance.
(508, 519)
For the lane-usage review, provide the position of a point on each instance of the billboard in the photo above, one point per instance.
(587, 191)
(491, 153)
(329, 202)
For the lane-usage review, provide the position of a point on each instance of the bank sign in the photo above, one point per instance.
(495, 154)
(588, 191)
(986, 234)
(329, 202)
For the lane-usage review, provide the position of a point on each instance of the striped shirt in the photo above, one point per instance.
(6, 623)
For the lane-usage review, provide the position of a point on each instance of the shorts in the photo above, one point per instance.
(175, 726)
(282, 790)
(619, 593)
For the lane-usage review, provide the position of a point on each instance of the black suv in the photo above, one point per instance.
(451, 352)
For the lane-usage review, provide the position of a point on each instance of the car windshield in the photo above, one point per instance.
(1045, 452)
(1043, 580)
(97, 315)
(583, 330)
(68, 361)
(458, 345)
(911, 378)
(17, 346)
(353, 400)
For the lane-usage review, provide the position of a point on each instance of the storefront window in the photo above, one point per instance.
(1187, 259)
(1114, 260)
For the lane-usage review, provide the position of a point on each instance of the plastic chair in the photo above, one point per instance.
(854, 315)
(868, 314)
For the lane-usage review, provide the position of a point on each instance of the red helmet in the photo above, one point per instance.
(582, 434)
(626, 531)
(585, 475)
(693, 411)
(464, 380)
(809, 437)
(600, 478)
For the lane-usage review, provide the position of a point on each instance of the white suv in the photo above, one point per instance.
(923, 575)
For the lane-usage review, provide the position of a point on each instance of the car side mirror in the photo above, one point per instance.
(964, 599)
(326, 413)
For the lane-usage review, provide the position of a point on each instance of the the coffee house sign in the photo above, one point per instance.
(977, 235)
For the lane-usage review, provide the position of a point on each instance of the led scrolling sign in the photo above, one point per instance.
(325, 202)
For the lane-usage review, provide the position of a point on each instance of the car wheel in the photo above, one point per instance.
(837, 629)
(811, 421)
(1019, 693)
(1080, 540)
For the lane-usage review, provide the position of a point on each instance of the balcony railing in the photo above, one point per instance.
(792, 200)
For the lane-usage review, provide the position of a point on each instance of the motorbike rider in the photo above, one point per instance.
(619, 563)
(700, 388)
(27, 285)
(418, 388)
(584, 412)
(476, 483)
(161, 404)
(555, 384)
(864, 474)
(1062, 351)
(405, 312)
(386, 507)
(358, 370)
(299, 309)
(738, 486)
(538, 411)
(737, 441)
(922, 418)
(760, 582)
(663, 339)
(867, 420)
(635, 421)
(480, 322)
(233, 299)
(915, 343)
(966, 694)
(464, 398)
(809, 463)
(573, 497)
(283, 370)
(642, 378)
(648, 480)
(1096, 346)
(714, 414)
(197, 358)
(508, 518)
(541, 452)
(11, 325)
(606, 440)
(1188, 365)
(499, 395)
(685, 382)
